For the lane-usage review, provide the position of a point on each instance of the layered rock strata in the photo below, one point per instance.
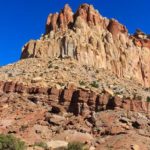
(79, 101)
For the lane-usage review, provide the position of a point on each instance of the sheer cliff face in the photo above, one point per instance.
(93, 40)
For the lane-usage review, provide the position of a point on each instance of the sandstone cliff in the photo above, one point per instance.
(95, 41)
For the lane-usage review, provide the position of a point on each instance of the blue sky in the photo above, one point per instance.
(22, 20)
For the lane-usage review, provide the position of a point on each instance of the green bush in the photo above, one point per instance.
(148, 99)
(41, 144)
(9, 142)
(61, 84)
(95, 84)
(75, 146)
(81, 82)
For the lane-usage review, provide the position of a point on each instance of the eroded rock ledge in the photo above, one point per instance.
(76, 100)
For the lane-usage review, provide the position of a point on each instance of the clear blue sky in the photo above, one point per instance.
(22, 20)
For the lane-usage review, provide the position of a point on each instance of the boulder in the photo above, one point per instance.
(57, 144)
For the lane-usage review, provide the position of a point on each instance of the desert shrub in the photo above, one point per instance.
(81, 82)
(56, 67)
(97, 71)
(9, 142)
(61, 84)
(41, 144)
(95, 84)
(75, 146)
(148, 99)
(50, 65)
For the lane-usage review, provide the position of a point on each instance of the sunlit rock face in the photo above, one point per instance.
(93, 40)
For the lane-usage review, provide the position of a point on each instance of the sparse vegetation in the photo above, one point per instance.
(81, 83)
(61, 84)
(76, 146)
(50, 66)
(9, 142)
(97, 71)
(95, 84)
(56, 67)
(148, 99)
(41, 144)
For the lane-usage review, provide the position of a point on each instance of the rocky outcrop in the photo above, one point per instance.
(45, 114)
(79, 101)
(141, 39)
(95, 41)
(60, 21)
(66, 19)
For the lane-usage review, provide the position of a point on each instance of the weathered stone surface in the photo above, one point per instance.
(60, 21)
(94, 41)
(83, 95)
(68, 94)
(19, 88)
(115, 28)
(1, 85)
(57, 144)
(54, 94)
(89, 15)
(50, 109)
(78, 101)
(37, 90)
(9, 87)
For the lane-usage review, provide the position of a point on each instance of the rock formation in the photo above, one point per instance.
(48, 114)
(85, 80)
(75, 99)
(94, 41)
